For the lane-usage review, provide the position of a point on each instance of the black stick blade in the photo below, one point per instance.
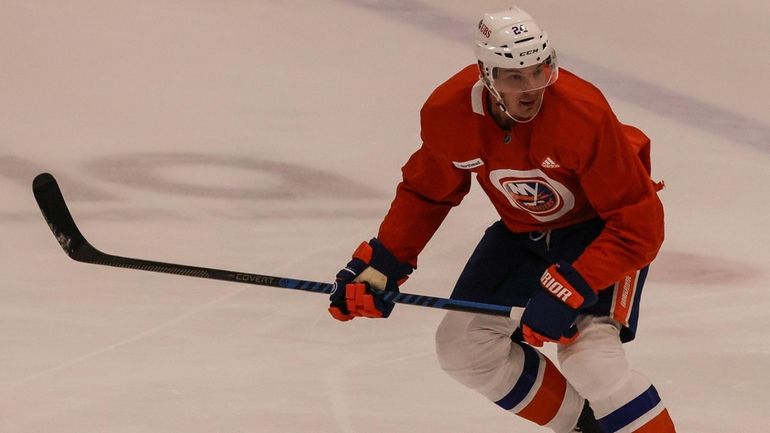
(51, 202)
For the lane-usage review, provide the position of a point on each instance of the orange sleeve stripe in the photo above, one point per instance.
(549, 397)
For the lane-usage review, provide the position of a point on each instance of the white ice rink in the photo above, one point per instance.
(267, 137)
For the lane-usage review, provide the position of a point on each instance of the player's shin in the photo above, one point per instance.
(623, 400)
(478, 352)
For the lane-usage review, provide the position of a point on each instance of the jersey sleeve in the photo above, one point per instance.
(617, 184)
(431, 186)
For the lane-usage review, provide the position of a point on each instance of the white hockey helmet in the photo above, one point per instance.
(513, 40)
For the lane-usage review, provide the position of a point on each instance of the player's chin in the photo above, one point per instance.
(527, 110)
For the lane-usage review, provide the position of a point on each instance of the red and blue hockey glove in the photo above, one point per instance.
(550, 314)
(359, 286)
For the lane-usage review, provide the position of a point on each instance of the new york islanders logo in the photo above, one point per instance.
(534, 192)
(532, 195)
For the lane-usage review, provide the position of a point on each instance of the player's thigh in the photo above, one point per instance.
(501, 270)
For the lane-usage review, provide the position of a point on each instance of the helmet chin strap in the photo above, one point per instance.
(501, 105)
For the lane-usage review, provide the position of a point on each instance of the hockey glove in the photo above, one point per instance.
(550, 314)
(358, 288)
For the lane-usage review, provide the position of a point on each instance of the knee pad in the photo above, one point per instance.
(477, 351)
(595, 364)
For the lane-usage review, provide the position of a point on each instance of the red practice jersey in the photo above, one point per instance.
(573, 162)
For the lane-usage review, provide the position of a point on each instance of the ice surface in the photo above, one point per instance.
(267, 137)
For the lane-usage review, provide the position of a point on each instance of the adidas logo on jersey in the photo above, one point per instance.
(549, 163)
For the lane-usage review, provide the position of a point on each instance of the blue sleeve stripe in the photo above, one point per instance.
(525, 382)
(631, 411)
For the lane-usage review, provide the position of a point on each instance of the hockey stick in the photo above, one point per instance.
(51, 201)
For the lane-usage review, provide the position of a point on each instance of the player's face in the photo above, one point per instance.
(522, 89)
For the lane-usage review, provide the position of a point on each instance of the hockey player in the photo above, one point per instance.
(580, 223)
